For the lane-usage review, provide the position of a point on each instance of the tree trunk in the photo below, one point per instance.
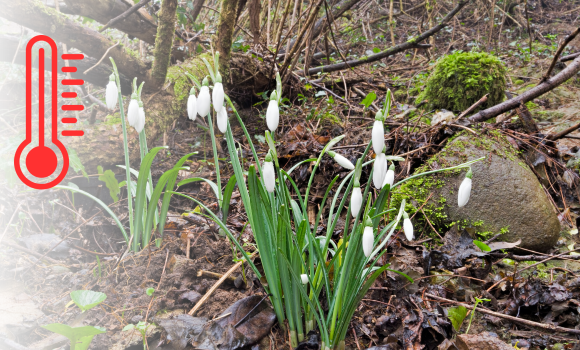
(224, 35)
(163, 41)
(255, 10)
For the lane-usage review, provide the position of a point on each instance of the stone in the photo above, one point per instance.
(506, 195)
(483, 341)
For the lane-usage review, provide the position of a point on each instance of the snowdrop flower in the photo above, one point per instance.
(368, 239)
(111, 93)
(222, 119)
(273, 113)
(356, 199)
(133, 111)
(342, 161)
(217, 95)
(203, 99)
(141, 118)
(192, 104)
(379, 170)
(304, 278)
(465, 190)
(408, 227)
(390, 177)
(378, 135)
(269, 174)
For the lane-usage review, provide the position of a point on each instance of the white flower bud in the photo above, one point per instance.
(222, 120)
(273, 115)
(203, 102)
(378, 134)
(368, 241)
(342, 161)
(464, 190)
(133, 111)
(379, 170)
(269, 175)
(304, 278)
(390, 177)
(217, 96)
(192, 105)
(355, 201)
(408, 227)
(111, 93)
(141, 119)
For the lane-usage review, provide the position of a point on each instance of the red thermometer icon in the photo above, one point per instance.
(42, 161)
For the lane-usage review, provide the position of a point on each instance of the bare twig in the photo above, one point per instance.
(472, 107)
(124, 15)
(410, 44)
(31, 252)
(216, 285)
(546, 326)
(102, 58)
(529, 95)
(563, 133)
(568, 39)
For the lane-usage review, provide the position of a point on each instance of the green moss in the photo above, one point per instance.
(462, 78)
(112, 119)
(519, 82)
(181, 83)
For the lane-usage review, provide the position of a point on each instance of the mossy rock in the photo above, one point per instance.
(506, 196)
(462, 78)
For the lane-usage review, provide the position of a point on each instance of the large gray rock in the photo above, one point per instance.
(506, 195)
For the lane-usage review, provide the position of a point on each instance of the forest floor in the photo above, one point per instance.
(394, 314)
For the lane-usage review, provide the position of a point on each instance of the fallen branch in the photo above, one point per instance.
(410, 44)
(31, 252)
(529, 95)
(125, 14)
(546, 326)
(563, 133)
(472, 107)
(568, 39)
(216, 285)
(532, 257)
(569, 57)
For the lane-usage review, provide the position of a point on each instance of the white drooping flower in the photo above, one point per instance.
(141, 118)
(269, 174)
(222, 120)
(408, 227)
(133, 111)
(356, 200)
(217, 95)
(464, 190)
(390, 177)
(304, 278)
(379, 170)
(203, 99)
(273, 113)
(341, 160)
(111, 93)
(378, 134)
(368, 239)
(192, 104)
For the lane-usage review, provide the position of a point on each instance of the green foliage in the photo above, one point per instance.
(142, 328)
(369, 99)
(457, 314)
(87, 299)
(462, 78)
(108, 177)
(75, 163)
(484, 247)
(80, 337)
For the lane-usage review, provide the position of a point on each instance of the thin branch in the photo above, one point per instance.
(124, 15)
(529, 95)
(102, 58)
(410, 44)
(568, 39)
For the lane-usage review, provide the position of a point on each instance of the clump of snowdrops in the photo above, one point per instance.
(296, 261)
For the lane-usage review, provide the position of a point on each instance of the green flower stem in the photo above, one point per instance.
(216, 159)
(127, 163)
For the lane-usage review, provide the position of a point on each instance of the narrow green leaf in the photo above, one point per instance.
(484, 247)
(108, 177)
(456, 315)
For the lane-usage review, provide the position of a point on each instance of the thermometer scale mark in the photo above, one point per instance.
(42, 161)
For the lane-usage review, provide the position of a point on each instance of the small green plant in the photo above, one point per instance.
(462, 78)
(142, 328)
(87, 299)
(477, 302)
(457, 314)
(80, 337)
